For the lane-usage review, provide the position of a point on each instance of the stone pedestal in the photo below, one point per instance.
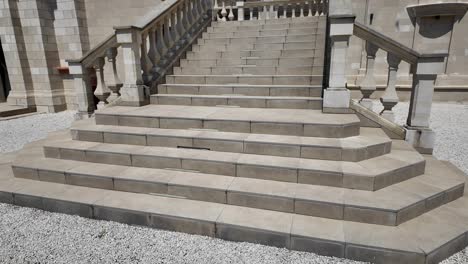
(336, 98)
(133, 90)
(422, 139)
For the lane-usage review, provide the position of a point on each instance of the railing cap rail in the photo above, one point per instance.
(147, 20)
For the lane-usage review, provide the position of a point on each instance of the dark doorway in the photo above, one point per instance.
(4, 79)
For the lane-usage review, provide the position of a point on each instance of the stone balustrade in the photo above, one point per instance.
(149, 48)
(424, 69)
(257, 10)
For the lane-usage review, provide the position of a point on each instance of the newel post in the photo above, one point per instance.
(425, 73)
(133, 91)
(336, 98)
(84, 93)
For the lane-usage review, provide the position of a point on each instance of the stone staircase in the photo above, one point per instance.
(234, 145)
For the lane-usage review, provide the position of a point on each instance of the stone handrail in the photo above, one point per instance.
(385, 43)
(424, 69)
(268, 9)
(149, 48)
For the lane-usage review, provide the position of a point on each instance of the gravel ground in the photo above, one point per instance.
(33, 236)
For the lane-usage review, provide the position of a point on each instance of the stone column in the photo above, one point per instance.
(336, 97)
(424, 76)
(133, 91)
(83, 91)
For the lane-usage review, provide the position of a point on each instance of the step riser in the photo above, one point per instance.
(236, 146)
(251, 91)
(249, 70)
(286, 204)
(276, 54)
(235, 169)
(282, 62)
(254, 80)
(250, 46)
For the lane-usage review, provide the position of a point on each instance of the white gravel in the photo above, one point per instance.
(32, 236)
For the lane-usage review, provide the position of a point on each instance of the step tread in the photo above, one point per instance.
(371, 174)
(394, 198)
(368, 137)
(244, 85)
(240, 96)
(234, 114)
(413, 241)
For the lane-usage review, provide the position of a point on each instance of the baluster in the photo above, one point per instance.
(167, 35)
(186, 18)
(285, 10)
(320, 7)
(293, 10)
(251, 13)
(196, 13)
(114, 84)
(274, 12)
(231, 14)
(368, 84)
(309, 5)
(315, 7)
(161, 44)
(265, 11)
(153, 53)
(174, 33)
(301, 14)
(181, 25)
(145, 61)
(240, 11)
(223, 13)
(259, 14)
(102, 92)
(390, 98)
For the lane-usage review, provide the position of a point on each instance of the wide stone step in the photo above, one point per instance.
(293, 122)
(240, 89)
(303, 40)
(390, 206)
(254, 31)
(257, 46)
(372, 174)
(276, 54)
(290, 102)
(371, 143)
(429, 238)
(246, 79)
(248, 69)
(229, 38)
(254, 61)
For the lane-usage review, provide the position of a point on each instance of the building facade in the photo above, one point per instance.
(39, 36)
